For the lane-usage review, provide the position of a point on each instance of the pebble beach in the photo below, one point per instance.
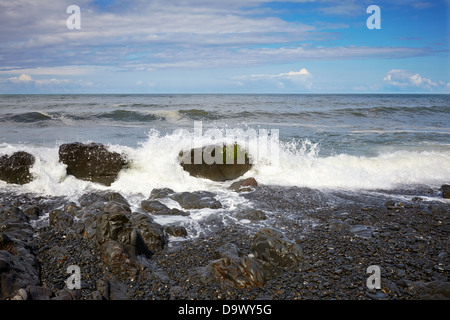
(338, 235)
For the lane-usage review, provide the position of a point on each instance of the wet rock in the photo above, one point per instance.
(379, 295)
(152, 233)
(229, 163)
(159, 193)
(362, 231)
(110, 288)
(434, 290)
(115, 257)
(18, 264)
(16, 168)
(176, 231)
(60, 220)
(244, 185)
(244, 272)
(109, 226)
(252, 215)
(339, 225)
(91, 162)
(228, 250)
(445, 191)
(33, 212)
(116, 226)
(116, 207)
(197, 200)
(158, 208)
(272, 248)
(232, 268)
(87, 199)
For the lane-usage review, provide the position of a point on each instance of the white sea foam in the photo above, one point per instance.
(155, 164)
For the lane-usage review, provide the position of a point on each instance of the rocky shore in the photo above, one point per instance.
(295, 243)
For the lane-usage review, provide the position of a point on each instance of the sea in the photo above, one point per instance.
(351, 143)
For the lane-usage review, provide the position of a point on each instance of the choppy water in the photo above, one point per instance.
(345, 142)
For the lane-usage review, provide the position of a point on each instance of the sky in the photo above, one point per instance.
(224, 46)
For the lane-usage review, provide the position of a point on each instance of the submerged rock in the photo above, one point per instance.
(217, 163)
(91, 162)
(16, 168)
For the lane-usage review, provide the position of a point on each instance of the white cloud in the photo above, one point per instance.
(300, 79)
(22, 78)
(404, 78)
(289, 75)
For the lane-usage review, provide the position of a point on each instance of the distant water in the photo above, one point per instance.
(354, 142)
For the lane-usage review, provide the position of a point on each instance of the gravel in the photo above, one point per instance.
(405, 233)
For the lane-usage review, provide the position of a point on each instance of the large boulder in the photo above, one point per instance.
(116, 226)
(91, 162)
(16, 167)
(215, 162)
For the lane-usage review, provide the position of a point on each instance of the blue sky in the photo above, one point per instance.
(205, 46)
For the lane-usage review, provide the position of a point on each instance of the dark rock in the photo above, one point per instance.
(5, 241)
(362, 231)
(39, 293)
(109, 226)
(158, 208)
(228, 250)
(116, 226)
(232, 268)
(244, 185)
(16, 168)
(244, 272)
(272, 248)
(251, 214)
(445, 191)
(152, 233)
(33, 212)
(153, 206)
(116, 207)
(18, 264)
(390, 203)
(118, 261)
(379, 295)
(434, 290)
(230, 163)
(60, 220)
(91, 162)
(197, 200)
(339, 225)
(159, 193)
(176, 231)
